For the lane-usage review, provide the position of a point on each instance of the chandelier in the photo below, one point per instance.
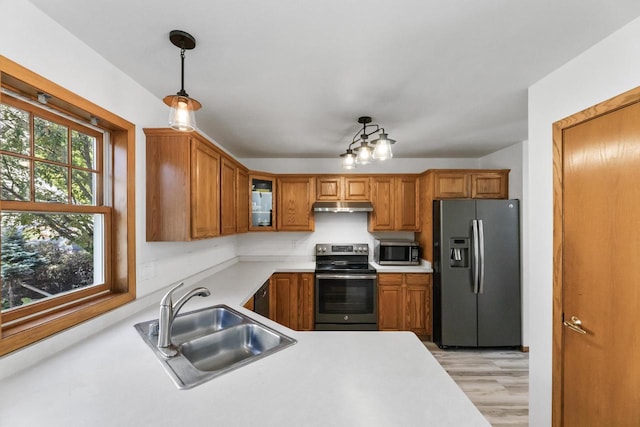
(181, 112)
(376, 150)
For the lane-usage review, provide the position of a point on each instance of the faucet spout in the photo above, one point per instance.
(168, 312)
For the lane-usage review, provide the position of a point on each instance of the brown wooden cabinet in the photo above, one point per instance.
(296, 195)
(242, 200)
(228, 197)
(404, 302)
(183, 186)
(262, 202)
(469, 183)
(291, 300)
(456, 184)
(335, 187)
(395, 202)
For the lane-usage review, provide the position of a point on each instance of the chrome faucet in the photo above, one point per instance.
(168, 311)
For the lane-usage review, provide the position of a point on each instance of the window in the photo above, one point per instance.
(67, 248)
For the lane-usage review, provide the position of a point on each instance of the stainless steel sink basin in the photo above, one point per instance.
(216, 351)
(211, 342)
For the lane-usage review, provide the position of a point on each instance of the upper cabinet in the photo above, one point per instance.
(335, 187)
(228, 200)
(263, 208)
(456, 184)
(296, 194)
(395, 202)
(183, 186)
(470, 183)
(242, 198)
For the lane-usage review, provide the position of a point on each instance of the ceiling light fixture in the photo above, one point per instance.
(181, 114)
(378, 149)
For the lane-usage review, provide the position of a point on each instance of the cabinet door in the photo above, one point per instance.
(263, 203)
(451, 185)
(242, 201)
(283, 299)
(205, 185)
(168, 186)
(295, 202)
(417, 304)
(390, 302)
(489, 185)
(407, 204)
(329, 188)
(228, 176)
(356, 188)
(382, 217)
(306, 283)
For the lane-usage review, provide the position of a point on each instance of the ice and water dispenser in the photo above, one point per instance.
(459, 252)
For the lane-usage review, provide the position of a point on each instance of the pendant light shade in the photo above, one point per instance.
(365, 153)
(383, 148)
(181, 113)
(349, 160)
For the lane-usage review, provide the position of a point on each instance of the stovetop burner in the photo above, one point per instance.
(343, 258)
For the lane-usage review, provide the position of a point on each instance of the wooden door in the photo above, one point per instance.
(306, 302)
(390, 302)
(283, 299)
(490, 185)
(596, 377)
(295, 203)
(242, 201)
(407, 202)
(382, 217)
(450, 185)
(205, 185)
(417, 304)
(329, 188)
(227, 197)
(356, 188)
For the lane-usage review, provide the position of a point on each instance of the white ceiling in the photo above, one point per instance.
(289, 78)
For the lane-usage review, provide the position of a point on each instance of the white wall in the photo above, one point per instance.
(330, 228)
(604, 71)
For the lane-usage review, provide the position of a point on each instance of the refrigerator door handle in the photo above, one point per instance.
(476, 256)
(481, 249)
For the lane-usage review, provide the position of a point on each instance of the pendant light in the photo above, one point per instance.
(181, 112)
(365, 153)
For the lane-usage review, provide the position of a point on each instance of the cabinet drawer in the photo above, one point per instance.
(390, 279)
(417, 279)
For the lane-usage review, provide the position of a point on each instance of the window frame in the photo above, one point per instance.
(42, 319)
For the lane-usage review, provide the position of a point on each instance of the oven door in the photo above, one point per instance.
(346, 299)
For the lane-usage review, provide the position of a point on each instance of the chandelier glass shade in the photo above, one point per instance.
(181, 107)
(367, 152)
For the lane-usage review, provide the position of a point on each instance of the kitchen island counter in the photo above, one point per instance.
(325, 379)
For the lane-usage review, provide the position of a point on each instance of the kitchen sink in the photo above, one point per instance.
(212, 341)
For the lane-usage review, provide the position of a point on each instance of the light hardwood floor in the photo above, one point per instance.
(496, 381)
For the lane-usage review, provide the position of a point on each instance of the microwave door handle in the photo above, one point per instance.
(476, 255)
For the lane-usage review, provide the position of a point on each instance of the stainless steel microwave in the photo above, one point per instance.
(396, 252)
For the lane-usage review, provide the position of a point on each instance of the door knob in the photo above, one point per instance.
(575, 325)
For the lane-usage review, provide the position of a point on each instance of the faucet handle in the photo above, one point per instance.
(166, 300)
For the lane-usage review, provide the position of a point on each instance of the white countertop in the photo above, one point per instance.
(325, 379)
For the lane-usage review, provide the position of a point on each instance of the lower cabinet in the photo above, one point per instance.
(291, 300)
(404, 302)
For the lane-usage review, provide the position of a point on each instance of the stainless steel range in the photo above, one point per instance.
(346, 288)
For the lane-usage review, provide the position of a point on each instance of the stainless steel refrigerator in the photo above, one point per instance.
(476, 262)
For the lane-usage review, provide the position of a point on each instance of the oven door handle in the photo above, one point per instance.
(346, 276)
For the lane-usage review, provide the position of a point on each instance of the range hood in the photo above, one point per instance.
(342, 207)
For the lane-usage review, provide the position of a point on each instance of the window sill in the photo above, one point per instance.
(20, 335)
